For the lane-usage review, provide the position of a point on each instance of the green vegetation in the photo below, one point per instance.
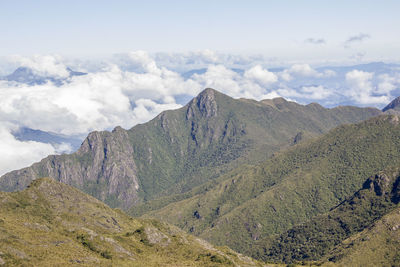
(184, 148)
(256, 202)
(250, 175)
(53, 224)
(316, 238)
(377, 245)
(215, 133)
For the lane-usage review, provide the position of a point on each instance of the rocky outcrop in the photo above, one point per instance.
(204, 103)
(394, 105)
(383, 184)
(103, 166)
(380, 183)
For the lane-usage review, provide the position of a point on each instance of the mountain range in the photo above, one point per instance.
(272, 179)
(28, 76)
(28, 134)
(184, 148)
(254, 202)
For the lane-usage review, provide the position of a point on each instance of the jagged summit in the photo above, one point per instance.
(205, 102)
(395, 105)
(208, 91)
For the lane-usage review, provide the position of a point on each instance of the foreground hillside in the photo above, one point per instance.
(53, 224)
(184, 148)
(331, 236)
(255, 202)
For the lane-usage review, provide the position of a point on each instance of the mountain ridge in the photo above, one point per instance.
(183, 148)
(28, 76)
(305, 180)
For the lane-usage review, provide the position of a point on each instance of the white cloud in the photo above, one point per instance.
(142, 62)
(361, 89)
(218, 76)
(62, 148)
(387, 83)
(16, 154)
(271, 95)
(360, 80)
(146, 109)
(46, 66)
(95, 101)
(183, 62)
(252, 84)
(316, 92)
(261, 76)
(305, 71)
(306, 92)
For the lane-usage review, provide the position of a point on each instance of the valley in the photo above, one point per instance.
(273, 180)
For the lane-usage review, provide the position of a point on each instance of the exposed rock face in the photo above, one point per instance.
(205, 103)
(379, 183)
(103, 165)
(382, 184)
(394, 105)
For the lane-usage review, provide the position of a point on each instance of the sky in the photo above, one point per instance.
(312, 30)
(143, 57)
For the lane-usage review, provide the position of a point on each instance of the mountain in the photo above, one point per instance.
(255, 202)
(181, 149)
(394, 105)
(53, 224)
(28, 76)
(28, 134)
(326, 236)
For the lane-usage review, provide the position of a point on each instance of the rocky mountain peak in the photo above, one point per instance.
(205, 103)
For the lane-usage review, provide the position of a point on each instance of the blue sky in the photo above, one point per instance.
(284, 29)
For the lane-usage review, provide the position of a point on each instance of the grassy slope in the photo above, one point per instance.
(52, 224)
(254, 202)
(184, 148)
